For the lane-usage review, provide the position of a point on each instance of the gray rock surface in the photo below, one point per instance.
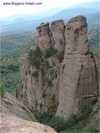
(57, 30)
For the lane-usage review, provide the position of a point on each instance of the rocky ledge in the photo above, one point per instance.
(12, 124)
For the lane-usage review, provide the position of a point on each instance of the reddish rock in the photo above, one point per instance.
(78, 77)
(43, 34)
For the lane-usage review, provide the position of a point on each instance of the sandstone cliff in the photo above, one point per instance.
(60, 74)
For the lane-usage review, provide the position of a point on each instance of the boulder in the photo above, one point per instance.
(12, 124)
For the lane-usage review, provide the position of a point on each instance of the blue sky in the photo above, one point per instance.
(10, 10)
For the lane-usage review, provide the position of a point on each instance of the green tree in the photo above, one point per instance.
(2, 89)
(34, 57)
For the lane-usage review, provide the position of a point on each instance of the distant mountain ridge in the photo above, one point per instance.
(27, 22)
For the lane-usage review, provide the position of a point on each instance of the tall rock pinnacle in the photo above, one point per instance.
(44, 39)
(51, 36)
(78, 77)
(57, 29)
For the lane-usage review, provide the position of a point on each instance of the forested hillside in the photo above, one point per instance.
(12, 48)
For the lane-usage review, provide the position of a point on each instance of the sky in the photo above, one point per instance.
(14, 9)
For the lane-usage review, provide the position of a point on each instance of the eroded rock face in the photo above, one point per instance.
(51, 36)
(10, 105)
(44, 39)
(58, 31)
(12, 124)
(60, 87)
(96, 58)
(40, 92)
(78, 75)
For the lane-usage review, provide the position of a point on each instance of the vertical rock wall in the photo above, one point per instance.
(44, 39)
(51, 36)
(57, 29)
(78, 75)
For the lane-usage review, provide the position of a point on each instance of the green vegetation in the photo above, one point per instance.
(75, 124)
(10, 74)
(80, 129)
(34, 57)
(10, 42)
(94, 44)
(31, 116)
(39, 59)
(58, 123)
(85, 109)
(49, 52)
(35, 74)
(90, 130)
(60, 56)
(2, 89)
(49, 82)
(13, 47)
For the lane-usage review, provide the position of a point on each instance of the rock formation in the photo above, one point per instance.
(38, 92)
(10, 105)
(78, 76)
(12, 124)
(44, 36)
(65, 78)
(57, 30)
(51, 36)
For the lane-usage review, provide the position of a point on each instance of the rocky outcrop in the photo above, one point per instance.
(57, 30)
(59, 85)
(12, 124)
(51, 36)
(78, 76)
(38, 92)
(11, 106)
(44, 39)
